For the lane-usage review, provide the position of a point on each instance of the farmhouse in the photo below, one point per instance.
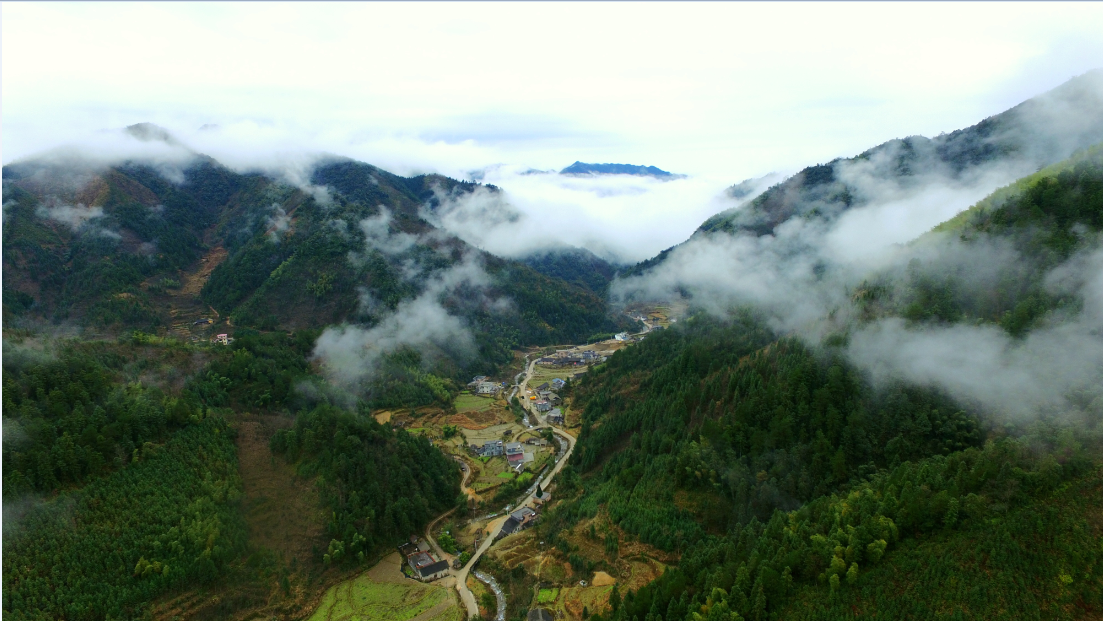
(555, 416)
(622, 336)
(431, 572)
(515, 453)
(493, 448)
(518, 520)
(558, 384)
(486, 388)
(542, 406)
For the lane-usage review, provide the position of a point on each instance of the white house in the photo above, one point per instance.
(622, 336)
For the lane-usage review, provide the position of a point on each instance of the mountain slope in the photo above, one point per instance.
(797, 479)
(1035, 133)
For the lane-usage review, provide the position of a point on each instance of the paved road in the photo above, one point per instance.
(496, 526)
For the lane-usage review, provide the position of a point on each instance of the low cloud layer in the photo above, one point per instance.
(803, 278)
(621, 218)
(1056, 368)
(351, 355)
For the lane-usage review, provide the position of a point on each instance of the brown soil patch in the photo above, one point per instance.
(388, 570)
(283, 512)
(193, 281)
(603, 579)
(284, 520)
(462, 420)
(383, 417)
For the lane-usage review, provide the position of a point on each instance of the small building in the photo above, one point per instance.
(542, 406)
(558, 384)
(517, 521)
(494, 448)
(515, 453)
(433, 571)
(420, 559)
(622, 336)
(555, 416)
(407, 549)
(486, 388)
(478, 378)
(223, 339)
(544, 386)
(553, 398)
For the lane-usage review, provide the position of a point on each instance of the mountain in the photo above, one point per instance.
(583, 169)
(577, 266)
(798, 476)
(139, 245)
(1035, 133)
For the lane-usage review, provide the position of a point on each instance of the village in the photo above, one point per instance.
(510, 436)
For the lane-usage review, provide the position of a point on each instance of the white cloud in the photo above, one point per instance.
(351, 354)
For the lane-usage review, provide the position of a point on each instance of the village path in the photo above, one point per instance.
(429, 529)
(496, 526)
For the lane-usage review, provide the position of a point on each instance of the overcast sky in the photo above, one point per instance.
(720, 91)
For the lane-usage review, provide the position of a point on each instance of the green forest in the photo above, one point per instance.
(793, 487)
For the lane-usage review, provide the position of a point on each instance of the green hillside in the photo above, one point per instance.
(792, 486)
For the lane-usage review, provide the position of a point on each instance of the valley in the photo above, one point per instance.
(235, 394)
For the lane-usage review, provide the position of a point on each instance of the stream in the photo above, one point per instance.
(493, 584)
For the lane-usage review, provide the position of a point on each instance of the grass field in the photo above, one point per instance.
(505, 475)
(467, 402)
(362, 599)
(547, 596)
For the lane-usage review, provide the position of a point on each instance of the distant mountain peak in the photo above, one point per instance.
(582, 168)
(149, 132)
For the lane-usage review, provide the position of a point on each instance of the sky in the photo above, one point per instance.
(720, 92)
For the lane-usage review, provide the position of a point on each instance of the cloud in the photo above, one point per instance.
(619, 217)
(1056, 368)
(351, 355)
(802, 276)
(76, 217)
(278, 223)
(378, 234)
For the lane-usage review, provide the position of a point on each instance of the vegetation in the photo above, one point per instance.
(380, 484)
(166, 520)
(386, 601)
(793, 488)
(67, 420)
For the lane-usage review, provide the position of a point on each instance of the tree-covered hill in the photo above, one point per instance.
(109, 248)
(795, 484)
(577, 266)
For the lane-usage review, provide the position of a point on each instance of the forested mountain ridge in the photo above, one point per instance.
(795, 484)
(114, 247)
(574, 265)
(1035, 133)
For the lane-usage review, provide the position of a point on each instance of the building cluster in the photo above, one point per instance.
(424, 565)
(514, 452)
(483, 386)
(568, 358)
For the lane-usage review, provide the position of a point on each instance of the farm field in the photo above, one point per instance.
(365, 599)
(467, 402)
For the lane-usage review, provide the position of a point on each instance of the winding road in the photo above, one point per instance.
(495, 527)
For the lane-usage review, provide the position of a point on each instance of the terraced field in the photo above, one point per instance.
(362, 599)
